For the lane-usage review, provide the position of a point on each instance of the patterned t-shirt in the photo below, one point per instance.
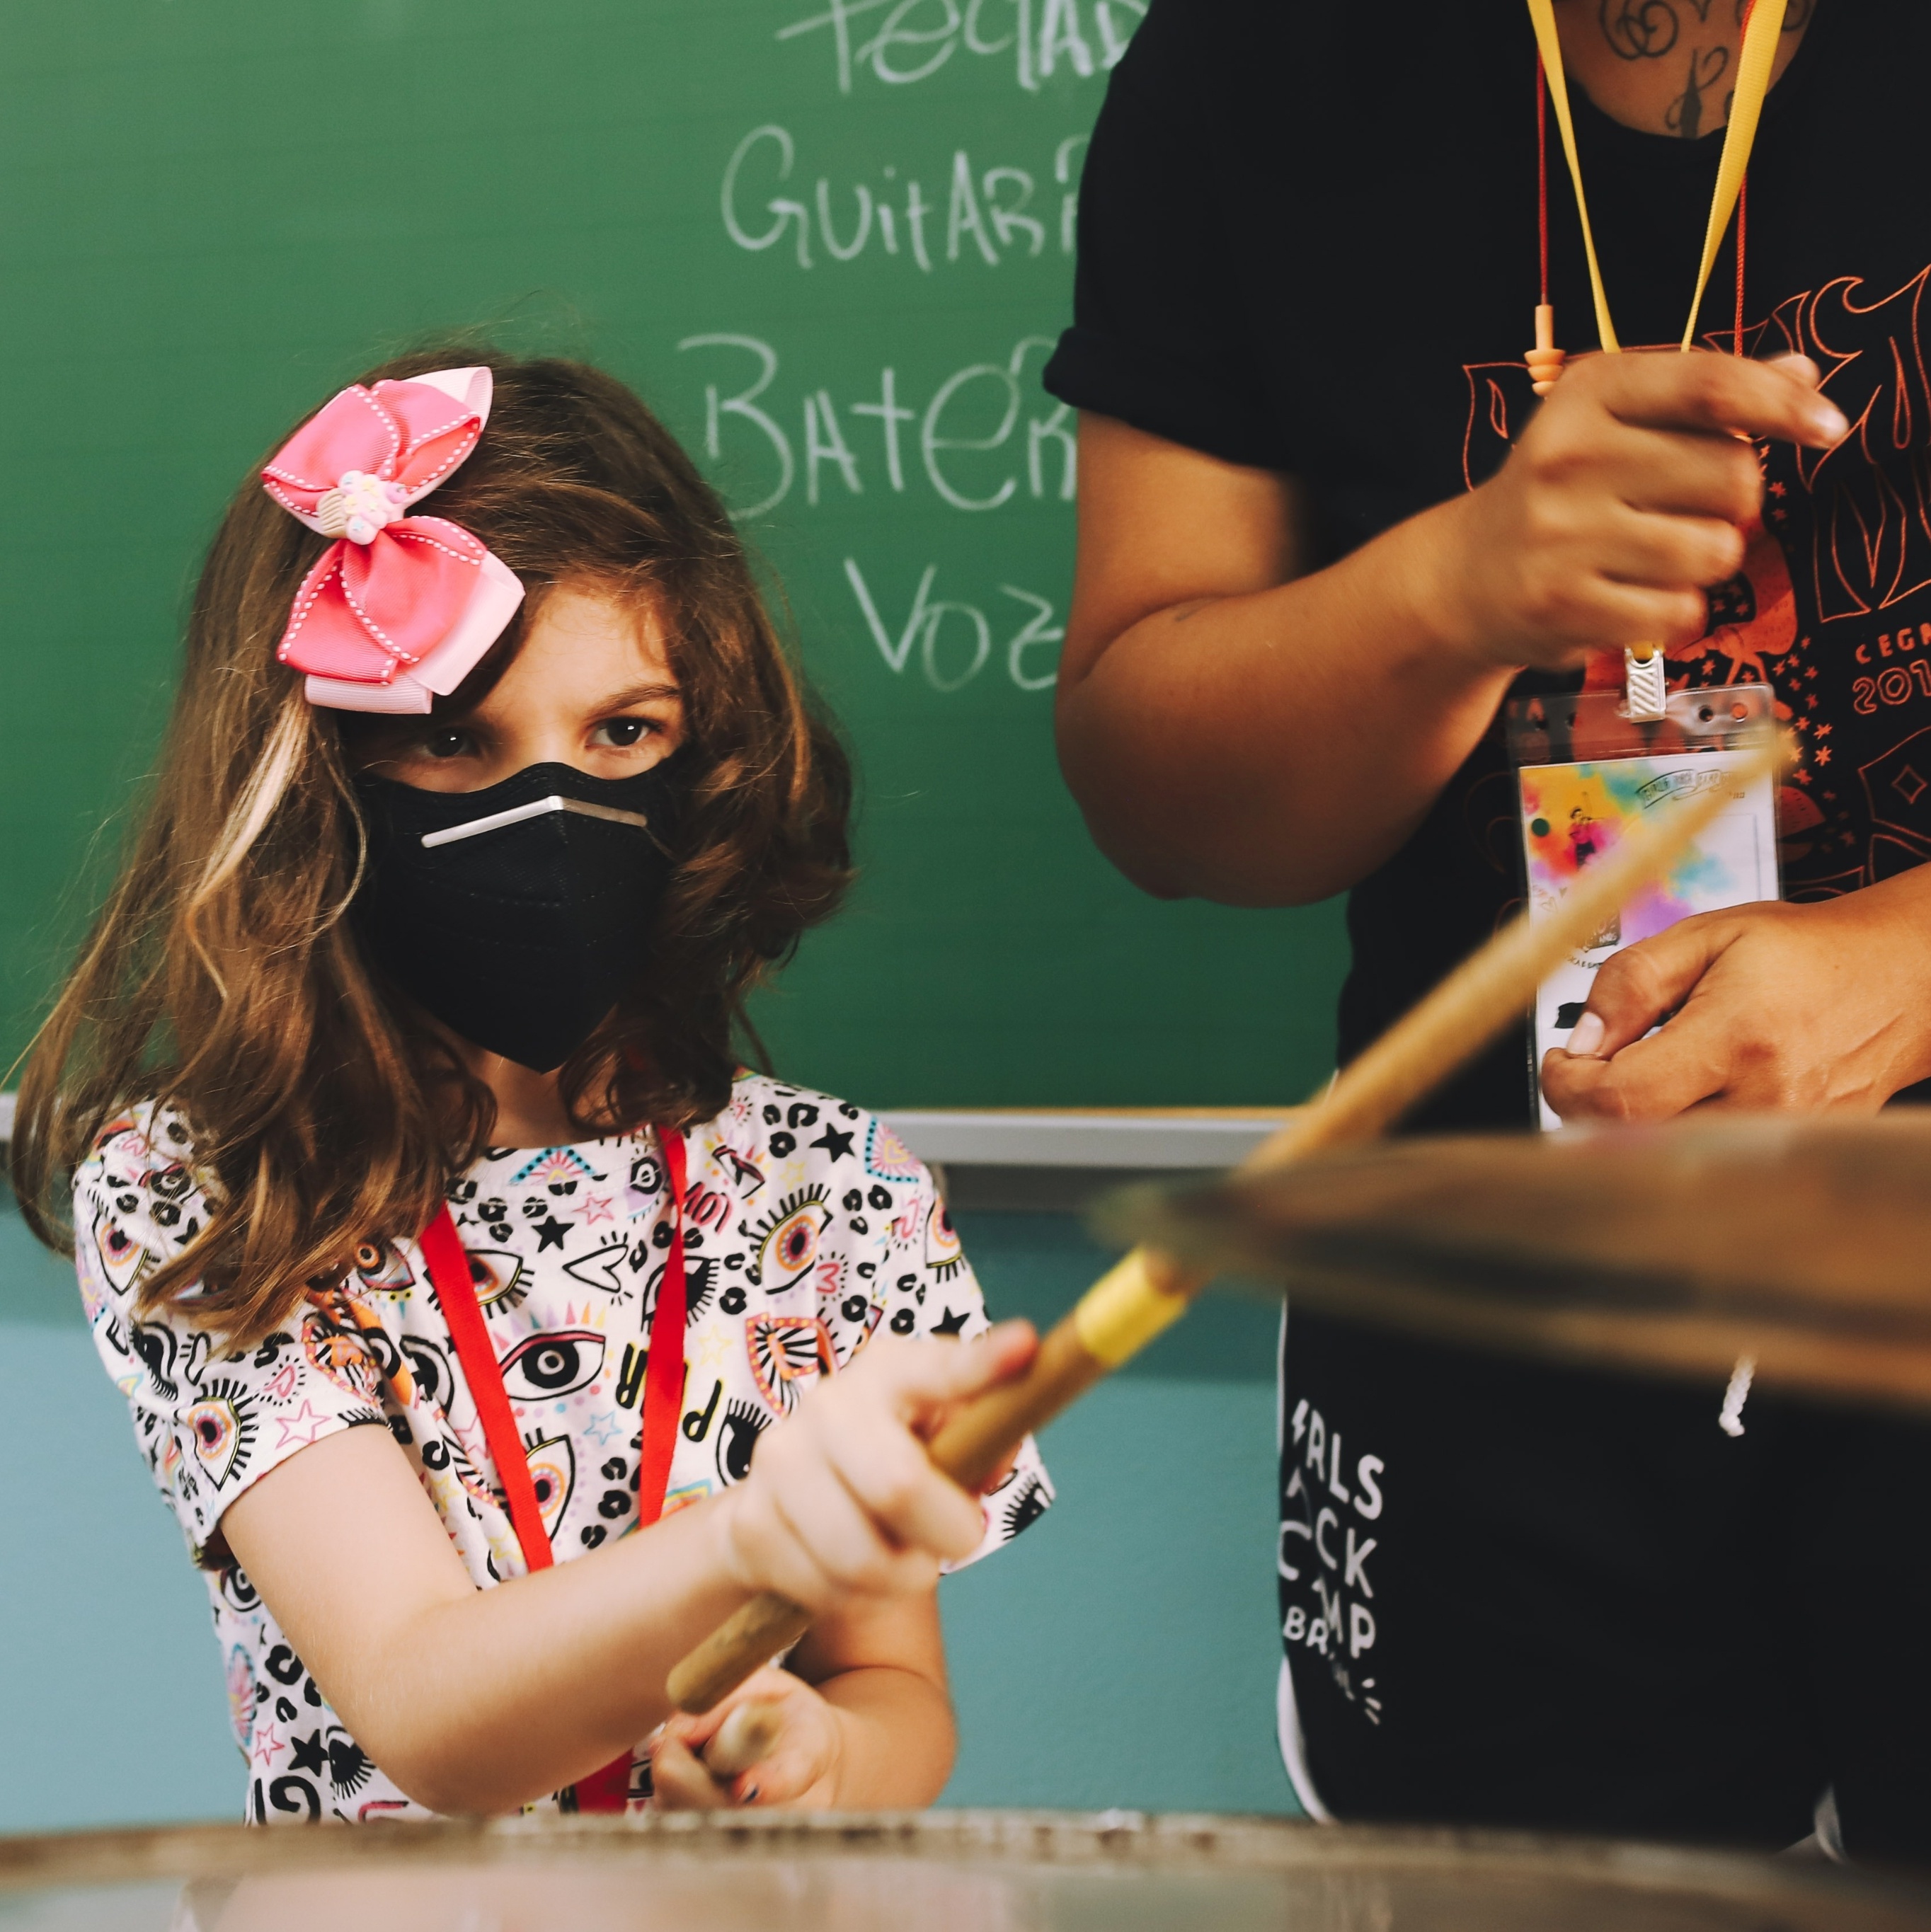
(809, 1226)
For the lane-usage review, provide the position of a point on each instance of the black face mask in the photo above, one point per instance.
(520, 936)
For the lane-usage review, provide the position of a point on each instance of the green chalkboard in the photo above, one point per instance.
(830, 240)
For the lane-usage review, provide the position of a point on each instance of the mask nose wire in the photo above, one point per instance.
(535, 809)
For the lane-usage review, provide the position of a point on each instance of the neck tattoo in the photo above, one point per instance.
(1697, 40)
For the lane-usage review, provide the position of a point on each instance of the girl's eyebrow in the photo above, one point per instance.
(639, 694)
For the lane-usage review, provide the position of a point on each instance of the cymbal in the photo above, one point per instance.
(1805, 1243)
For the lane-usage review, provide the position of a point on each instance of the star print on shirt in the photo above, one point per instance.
(290, 1730)
(949, 1323)
(303, 1426)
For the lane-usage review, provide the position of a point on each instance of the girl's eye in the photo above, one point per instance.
(622, 731)
(445, 744)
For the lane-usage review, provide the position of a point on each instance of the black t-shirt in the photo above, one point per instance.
(1516, 1592)
(1308, 243)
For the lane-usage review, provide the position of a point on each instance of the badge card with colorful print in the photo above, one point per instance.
(1586, 772)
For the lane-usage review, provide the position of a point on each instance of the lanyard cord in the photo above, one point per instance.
(1742, 219)
(1542, 176)
(664, 1374)
(1763, 24)
(1549, 43)
(606, 1789)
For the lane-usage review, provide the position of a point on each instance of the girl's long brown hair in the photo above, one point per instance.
(223, 979)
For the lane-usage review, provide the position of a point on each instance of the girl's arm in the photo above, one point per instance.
(1237, 727)
(482, 1700)
(865, 1720)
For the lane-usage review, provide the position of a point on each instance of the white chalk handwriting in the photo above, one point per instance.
(980, 215)
(965, 441)
(899, 42)
(954, 640)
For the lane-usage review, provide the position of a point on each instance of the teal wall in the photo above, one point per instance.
(1122, 1652)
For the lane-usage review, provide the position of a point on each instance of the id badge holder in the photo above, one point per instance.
(1586, 769)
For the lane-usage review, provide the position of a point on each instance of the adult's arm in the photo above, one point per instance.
(1238, 726)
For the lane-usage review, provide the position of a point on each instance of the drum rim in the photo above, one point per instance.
(1168, 1842)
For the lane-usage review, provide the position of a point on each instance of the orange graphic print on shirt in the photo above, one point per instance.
(1832, 608)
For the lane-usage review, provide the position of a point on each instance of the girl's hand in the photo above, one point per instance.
(1817, 1007)
(841, 1499)
(800, 1768)
(1622, 500)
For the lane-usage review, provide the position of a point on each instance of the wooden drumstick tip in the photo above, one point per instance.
(1545, 360)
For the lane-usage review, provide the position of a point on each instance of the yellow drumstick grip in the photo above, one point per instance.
(1125, 1308)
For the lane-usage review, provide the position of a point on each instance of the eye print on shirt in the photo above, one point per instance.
(738, 1435)
(382, 1269)
(553, 1472)
(943, 1253)
(498, 1276)
(221, 1427)
(125, 1261)
(785, 1350)
(787, 1239)
(557, 1363)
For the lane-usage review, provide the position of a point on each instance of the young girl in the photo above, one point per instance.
(417, 1211)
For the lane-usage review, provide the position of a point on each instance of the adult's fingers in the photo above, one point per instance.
(1587, 613)
(1688, 1063)
(1680, 473)
(1719, 393)
(1667, 553)
(1635, 988)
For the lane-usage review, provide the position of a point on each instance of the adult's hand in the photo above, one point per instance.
(1238, 726)
(1817, 1007)
(1623, 499)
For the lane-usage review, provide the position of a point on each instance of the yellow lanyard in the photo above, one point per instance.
(1753, 79)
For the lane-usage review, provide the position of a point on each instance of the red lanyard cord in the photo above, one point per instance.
(663, 1369)
(1542, 171)
(1545, 363)
(1742, 207)
(1742, 217)
(448, 1265)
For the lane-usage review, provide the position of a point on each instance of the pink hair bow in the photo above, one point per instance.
(398, 609)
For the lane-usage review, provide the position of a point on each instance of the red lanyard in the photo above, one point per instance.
(663, 1396)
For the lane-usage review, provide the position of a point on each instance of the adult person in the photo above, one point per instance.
(1325, 531)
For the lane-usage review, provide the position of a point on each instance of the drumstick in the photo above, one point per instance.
(744, 1737)
(1147, 1291)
